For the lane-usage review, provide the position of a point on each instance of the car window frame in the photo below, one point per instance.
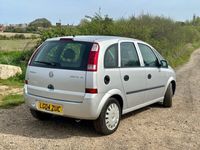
(117, 66)
(136, 50)
(152, 49)
(81, 68)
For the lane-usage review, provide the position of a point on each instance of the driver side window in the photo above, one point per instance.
(150, 59)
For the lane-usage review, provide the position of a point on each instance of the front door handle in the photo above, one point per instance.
(126, 78)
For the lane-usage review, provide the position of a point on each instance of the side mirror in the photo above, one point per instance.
(163, 64)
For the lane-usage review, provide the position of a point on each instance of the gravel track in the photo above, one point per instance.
(152, 127)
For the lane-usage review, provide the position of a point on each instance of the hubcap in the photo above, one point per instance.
(112, 116)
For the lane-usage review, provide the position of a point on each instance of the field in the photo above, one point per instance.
(17, 45)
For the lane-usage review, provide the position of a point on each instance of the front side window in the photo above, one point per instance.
(63, 54)
(129, 57)
(150, 60)
(159, 55)
(111, 57)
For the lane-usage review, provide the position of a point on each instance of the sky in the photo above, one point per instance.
(72, 11)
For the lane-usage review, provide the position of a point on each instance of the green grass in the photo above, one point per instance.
(11, 100)
(16, 58)
(13, 81)
(17, 45)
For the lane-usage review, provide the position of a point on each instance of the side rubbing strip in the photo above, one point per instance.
(142, 90)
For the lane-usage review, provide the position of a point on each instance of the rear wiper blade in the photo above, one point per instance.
(47, 63)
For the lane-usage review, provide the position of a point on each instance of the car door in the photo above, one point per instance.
(156, 77)
(132, 74)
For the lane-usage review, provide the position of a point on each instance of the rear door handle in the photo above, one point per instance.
(149, 76)
(126, 78)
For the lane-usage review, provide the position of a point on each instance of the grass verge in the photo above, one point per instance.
(180, 56)
(11, 100)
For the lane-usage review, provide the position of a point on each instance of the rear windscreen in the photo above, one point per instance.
(63, 55)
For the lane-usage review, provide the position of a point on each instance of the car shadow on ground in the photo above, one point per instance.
(18, 121)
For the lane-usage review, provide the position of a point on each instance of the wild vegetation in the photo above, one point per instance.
(174, 40)
(17, 58)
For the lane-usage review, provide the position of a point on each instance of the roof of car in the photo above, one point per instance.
(92, 38)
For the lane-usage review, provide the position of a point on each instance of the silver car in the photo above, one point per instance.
(96, 78)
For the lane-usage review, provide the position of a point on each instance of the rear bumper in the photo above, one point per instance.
(83, 110)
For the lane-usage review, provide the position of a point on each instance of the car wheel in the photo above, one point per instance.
(167, 102)
(109, 119)
(40, 115)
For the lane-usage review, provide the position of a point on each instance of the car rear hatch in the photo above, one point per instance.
(58, 69)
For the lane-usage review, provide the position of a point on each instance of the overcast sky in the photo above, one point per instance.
(72, 11)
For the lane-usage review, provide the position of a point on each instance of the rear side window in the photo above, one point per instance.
(111, 57)
(129, 57)
(150, 59)
(63, 54)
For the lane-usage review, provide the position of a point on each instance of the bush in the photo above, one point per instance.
(19, 36)
(167, 36)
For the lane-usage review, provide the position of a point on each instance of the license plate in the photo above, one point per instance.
(50, 107)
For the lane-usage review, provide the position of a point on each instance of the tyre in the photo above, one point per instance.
(167, 102)
(40, 115)
(109, 119)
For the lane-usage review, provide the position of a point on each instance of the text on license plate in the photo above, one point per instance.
(50, 107)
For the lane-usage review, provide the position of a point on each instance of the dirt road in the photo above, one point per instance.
(153, 127)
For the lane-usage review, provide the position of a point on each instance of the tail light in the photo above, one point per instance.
(91, 91)
(93, 58)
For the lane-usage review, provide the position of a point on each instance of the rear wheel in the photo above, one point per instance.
(109, 119)
(167, 102)
(40, 115)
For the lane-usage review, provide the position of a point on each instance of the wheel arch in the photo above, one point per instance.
(173, 86)
(173, 82)
(115, 93)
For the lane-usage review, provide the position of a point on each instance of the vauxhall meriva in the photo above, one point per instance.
(96, 78)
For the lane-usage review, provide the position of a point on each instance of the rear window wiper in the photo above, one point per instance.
(48, 63)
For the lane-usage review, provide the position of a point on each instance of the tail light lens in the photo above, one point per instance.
(93, 58)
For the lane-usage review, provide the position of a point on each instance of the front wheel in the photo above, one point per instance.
(167, 102)
(109, 119)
